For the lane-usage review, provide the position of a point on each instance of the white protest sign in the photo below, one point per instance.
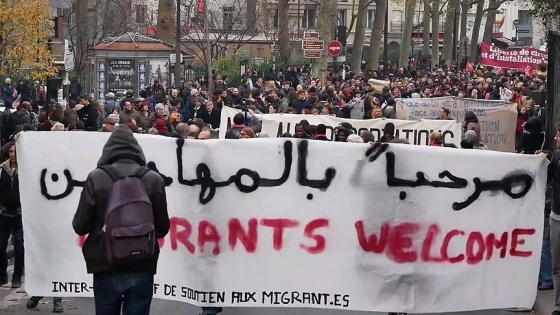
(416, 132)
(505, 94)
(497, 118)
(303, 223)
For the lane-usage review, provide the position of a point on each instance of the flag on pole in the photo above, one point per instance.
(469, 66)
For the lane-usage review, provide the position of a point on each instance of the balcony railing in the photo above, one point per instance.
(397, 27)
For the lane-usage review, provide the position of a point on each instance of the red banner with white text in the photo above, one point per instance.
(526, 58)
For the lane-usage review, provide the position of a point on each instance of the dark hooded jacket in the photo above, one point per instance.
(124, 153)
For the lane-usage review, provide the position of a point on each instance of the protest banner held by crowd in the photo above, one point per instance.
(222, 246)
(217, 247)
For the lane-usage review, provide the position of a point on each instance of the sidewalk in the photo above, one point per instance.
(545, 302)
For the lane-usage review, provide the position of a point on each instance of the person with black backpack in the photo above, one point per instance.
(123, 210)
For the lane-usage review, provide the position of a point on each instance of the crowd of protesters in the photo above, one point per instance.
(194, 112)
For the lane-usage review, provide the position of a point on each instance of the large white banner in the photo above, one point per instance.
(298, 223)
(497, 118)
(416, 132)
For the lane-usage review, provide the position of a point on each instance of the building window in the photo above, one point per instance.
(525, 41)
(342, 17)
(228, 17)
(525, 18)
(308, 19)
(370, 18)
(141, 13)
(397, 16)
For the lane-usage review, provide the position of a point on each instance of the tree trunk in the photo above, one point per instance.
(463, 30)
(426, 29)
(284, 45)
(81, 37)
(165, 21)
(448, 33)
(377, 34)
(435, 33)
(490, 21)
(359, 37)
(464, 19)
(252, 26)
(476, 30)
(410, 7)
(326, 25)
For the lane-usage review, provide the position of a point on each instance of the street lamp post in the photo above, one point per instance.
(516, 26)
(178, 47)
(386, 42)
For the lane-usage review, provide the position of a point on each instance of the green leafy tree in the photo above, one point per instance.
(549, 11)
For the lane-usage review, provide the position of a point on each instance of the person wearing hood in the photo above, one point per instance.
(128, 286)
(532, 139)
(388, 133)
(22, 115)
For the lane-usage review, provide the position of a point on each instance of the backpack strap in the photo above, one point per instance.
(140, 172)
(112, 172)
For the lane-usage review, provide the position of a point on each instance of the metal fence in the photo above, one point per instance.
(198, 69)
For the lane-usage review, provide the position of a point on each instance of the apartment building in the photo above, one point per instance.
(304, 15)
(529, 32)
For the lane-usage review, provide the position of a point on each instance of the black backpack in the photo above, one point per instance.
(128, 230)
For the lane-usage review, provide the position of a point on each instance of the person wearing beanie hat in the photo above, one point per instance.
(354, 139)
(161, 127)
(388, 133)
(343, 131)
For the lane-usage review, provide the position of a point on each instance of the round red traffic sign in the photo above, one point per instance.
(335, 48)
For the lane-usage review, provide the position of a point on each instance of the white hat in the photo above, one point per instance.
(8, 81)
(194, 92)
(354, 139)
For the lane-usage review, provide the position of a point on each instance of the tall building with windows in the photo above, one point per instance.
(304, 14)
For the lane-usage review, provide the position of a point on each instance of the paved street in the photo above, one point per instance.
(12, 301)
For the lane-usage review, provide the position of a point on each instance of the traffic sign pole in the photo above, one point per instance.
(335, 49)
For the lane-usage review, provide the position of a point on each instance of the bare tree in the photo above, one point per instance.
(450, 20)
(90, 25)
(426, 28)
(377, 33)
(435, 32)
(465, 5)
(410, 8)
(228, 27)
(326, 24)
(165, 20)
(284, 44)
(492, 10)
(78, 35)
(476, 27)
(360, 33)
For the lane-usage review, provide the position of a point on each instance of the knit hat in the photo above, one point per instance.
(354, 139)
(161, 127)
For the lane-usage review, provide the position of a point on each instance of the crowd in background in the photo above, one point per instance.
(193, 112)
